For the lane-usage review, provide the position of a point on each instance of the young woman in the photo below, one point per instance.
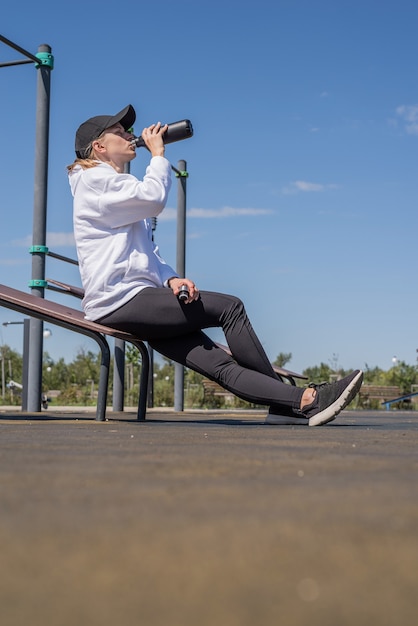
(129, 286)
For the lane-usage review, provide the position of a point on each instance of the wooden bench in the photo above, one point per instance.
(73, 319)
(387, 394)
(211, 389)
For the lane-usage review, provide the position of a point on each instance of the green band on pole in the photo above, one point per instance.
(182, 173)
(38, 283)
(45, 58)
(40, 249)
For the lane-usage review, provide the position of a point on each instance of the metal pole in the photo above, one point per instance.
(38, 282)
(119, 375)
(150, 391)
(3, 381)
(26, 336)
(118, 403)
(181, 270)
(31, 57)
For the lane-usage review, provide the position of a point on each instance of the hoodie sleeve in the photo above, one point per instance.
(123, 199)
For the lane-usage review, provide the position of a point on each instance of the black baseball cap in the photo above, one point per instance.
(95, 126)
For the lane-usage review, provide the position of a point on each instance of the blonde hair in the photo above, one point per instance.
(83, 163)
(90, 160)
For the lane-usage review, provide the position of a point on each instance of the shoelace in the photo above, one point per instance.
(318, 385)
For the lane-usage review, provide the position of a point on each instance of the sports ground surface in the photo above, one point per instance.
(208, 518)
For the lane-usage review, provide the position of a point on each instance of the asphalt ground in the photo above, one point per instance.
(208, 518)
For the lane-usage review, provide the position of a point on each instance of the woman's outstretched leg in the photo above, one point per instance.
(199, 353)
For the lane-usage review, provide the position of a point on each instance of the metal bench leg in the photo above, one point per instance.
(103, 378)
(143, 380)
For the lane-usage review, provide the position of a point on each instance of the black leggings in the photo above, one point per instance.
(174, 330)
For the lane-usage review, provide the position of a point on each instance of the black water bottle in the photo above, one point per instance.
(175, 132)
(183, 293)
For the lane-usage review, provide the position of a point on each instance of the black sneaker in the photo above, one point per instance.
(331, 398)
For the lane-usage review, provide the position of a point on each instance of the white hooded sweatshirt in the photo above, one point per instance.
(117, 256)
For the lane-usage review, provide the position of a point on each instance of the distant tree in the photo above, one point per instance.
(11, 369)
(319, 374)
(164, 383)
(75, 380)
(282, 359)
(373, 376)
(194, 394)
(334, 363)
(11, 364)
(403, 376)
(55, 374)
(86, 366)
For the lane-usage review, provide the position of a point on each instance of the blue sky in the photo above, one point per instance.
(302, 188)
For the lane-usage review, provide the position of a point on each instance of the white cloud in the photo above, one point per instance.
(14, 262)
(226, 211)
(409, 114)
(53, 240)
(171, 214)
(168, 215)
(24, 242)
(59, 240)
(305, 186)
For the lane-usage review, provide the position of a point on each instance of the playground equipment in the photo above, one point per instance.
(44, 63)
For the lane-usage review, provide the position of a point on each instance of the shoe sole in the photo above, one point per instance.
(285, 420)
(349, 393)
